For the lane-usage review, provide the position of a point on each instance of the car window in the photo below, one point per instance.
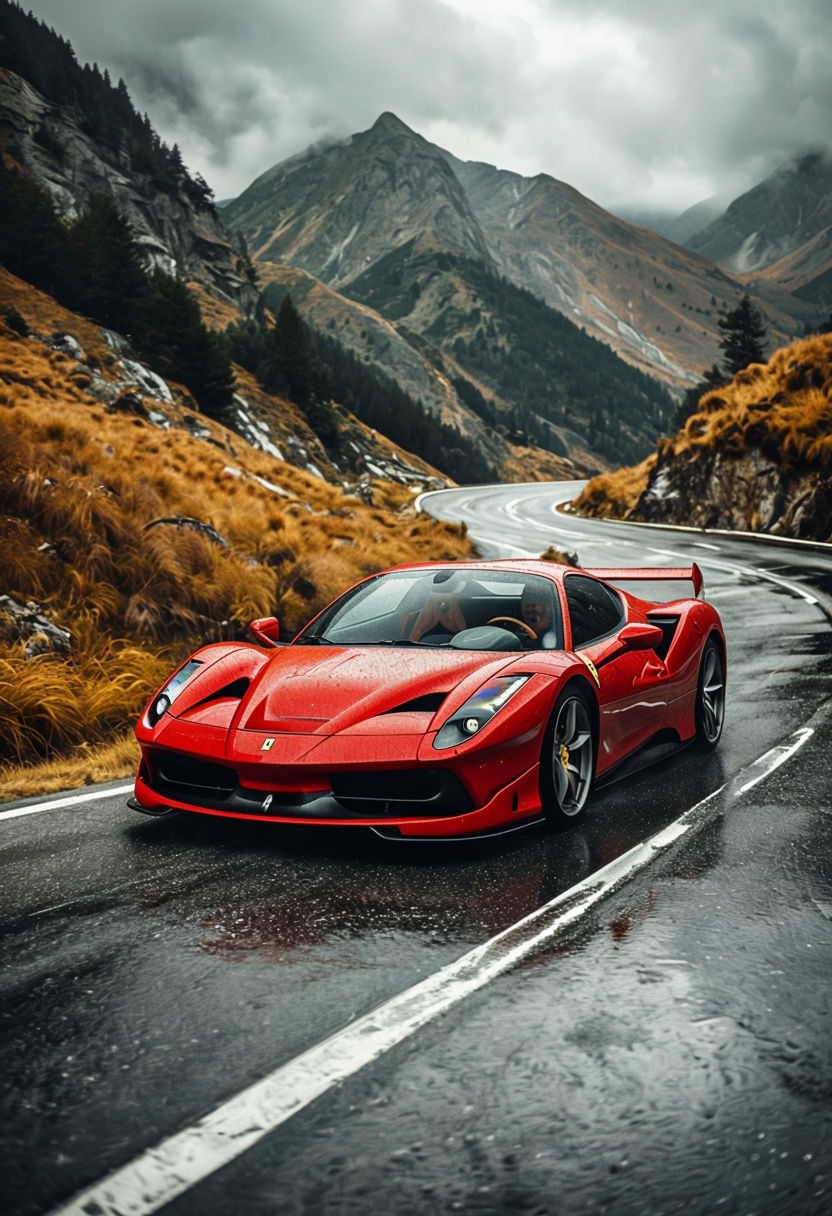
(409, 606)
(371, 612)
(594, 610)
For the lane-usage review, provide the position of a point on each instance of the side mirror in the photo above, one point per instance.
(266, 630)
(641, 637)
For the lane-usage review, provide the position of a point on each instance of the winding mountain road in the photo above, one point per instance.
(631, 1016)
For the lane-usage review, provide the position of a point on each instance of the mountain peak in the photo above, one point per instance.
(390, 123)
(338, 212)
(787, 211)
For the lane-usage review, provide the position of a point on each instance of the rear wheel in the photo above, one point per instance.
(710, 696)
(567, 762)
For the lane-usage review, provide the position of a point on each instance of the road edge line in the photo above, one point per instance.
(171, 1167)
(55, 804)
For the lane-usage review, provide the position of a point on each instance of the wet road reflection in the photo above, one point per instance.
(296, 888)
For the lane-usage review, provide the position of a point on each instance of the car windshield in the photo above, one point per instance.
(472, 609)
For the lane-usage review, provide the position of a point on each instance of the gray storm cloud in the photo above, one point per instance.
(637, 103)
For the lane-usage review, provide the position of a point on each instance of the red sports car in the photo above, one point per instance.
(434, 701)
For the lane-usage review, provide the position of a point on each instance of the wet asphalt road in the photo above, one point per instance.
(669, 1053)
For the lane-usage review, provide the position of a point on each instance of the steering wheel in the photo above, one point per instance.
(512, 620)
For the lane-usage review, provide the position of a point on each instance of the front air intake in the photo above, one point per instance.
(397, 792)
(182, 776)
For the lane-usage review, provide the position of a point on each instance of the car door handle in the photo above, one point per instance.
(651, 672)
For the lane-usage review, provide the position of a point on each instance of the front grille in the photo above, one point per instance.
(202, 783)
(181, 775)
(401, 792)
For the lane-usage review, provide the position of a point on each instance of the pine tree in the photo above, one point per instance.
(106, 277)
(745, 337)
(32, 239)
(291, 365)
(170, 333)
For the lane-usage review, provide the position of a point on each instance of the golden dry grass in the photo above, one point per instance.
(85, 765)
(82, 492)
(782, 408)
(51, 704)
(613, 495)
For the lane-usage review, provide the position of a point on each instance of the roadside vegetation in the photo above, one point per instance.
(132, 544)
(781, 408)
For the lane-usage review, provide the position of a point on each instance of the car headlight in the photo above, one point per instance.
(478, 710)
(163, 700)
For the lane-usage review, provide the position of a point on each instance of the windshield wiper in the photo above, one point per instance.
(410, 642)
(315, 639)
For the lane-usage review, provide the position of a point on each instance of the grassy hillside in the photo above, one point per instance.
(780, 411)
(783, 408)
(142, 534)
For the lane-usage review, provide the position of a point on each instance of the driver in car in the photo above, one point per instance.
(536, 610)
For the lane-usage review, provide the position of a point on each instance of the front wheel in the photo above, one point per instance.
(710, 697)
(567, 762)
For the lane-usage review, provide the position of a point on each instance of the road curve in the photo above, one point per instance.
(164, 982)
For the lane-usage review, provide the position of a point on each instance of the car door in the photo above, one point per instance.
(633, 702)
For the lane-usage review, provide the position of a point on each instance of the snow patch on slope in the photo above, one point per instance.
(636, 339)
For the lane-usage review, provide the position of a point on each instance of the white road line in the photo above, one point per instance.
(181, 1161)
(787, 584)
(748, 571)
(512, 510)
(174, 1165)
(73, 800)
(776, 756)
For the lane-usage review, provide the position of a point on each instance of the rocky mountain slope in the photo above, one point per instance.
(656, 304)
(756, 455)
(49, 141)
(103, 365)
(383, 220)
(342, 209)
(779, 232)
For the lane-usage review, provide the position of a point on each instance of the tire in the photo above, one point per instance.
(567, 761)
(710, 697)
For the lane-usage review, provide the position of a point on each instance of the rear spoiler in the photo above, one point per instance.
(617, 574)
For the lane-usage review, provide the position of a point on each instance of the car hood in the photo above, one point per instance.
(325, 690)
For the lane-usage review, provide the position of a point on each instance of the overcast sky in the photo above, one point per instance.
(647, 104)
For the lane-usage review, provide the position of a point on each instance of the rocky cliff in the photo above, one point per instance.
(745, 491)
(49, 142)
(756, 456)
